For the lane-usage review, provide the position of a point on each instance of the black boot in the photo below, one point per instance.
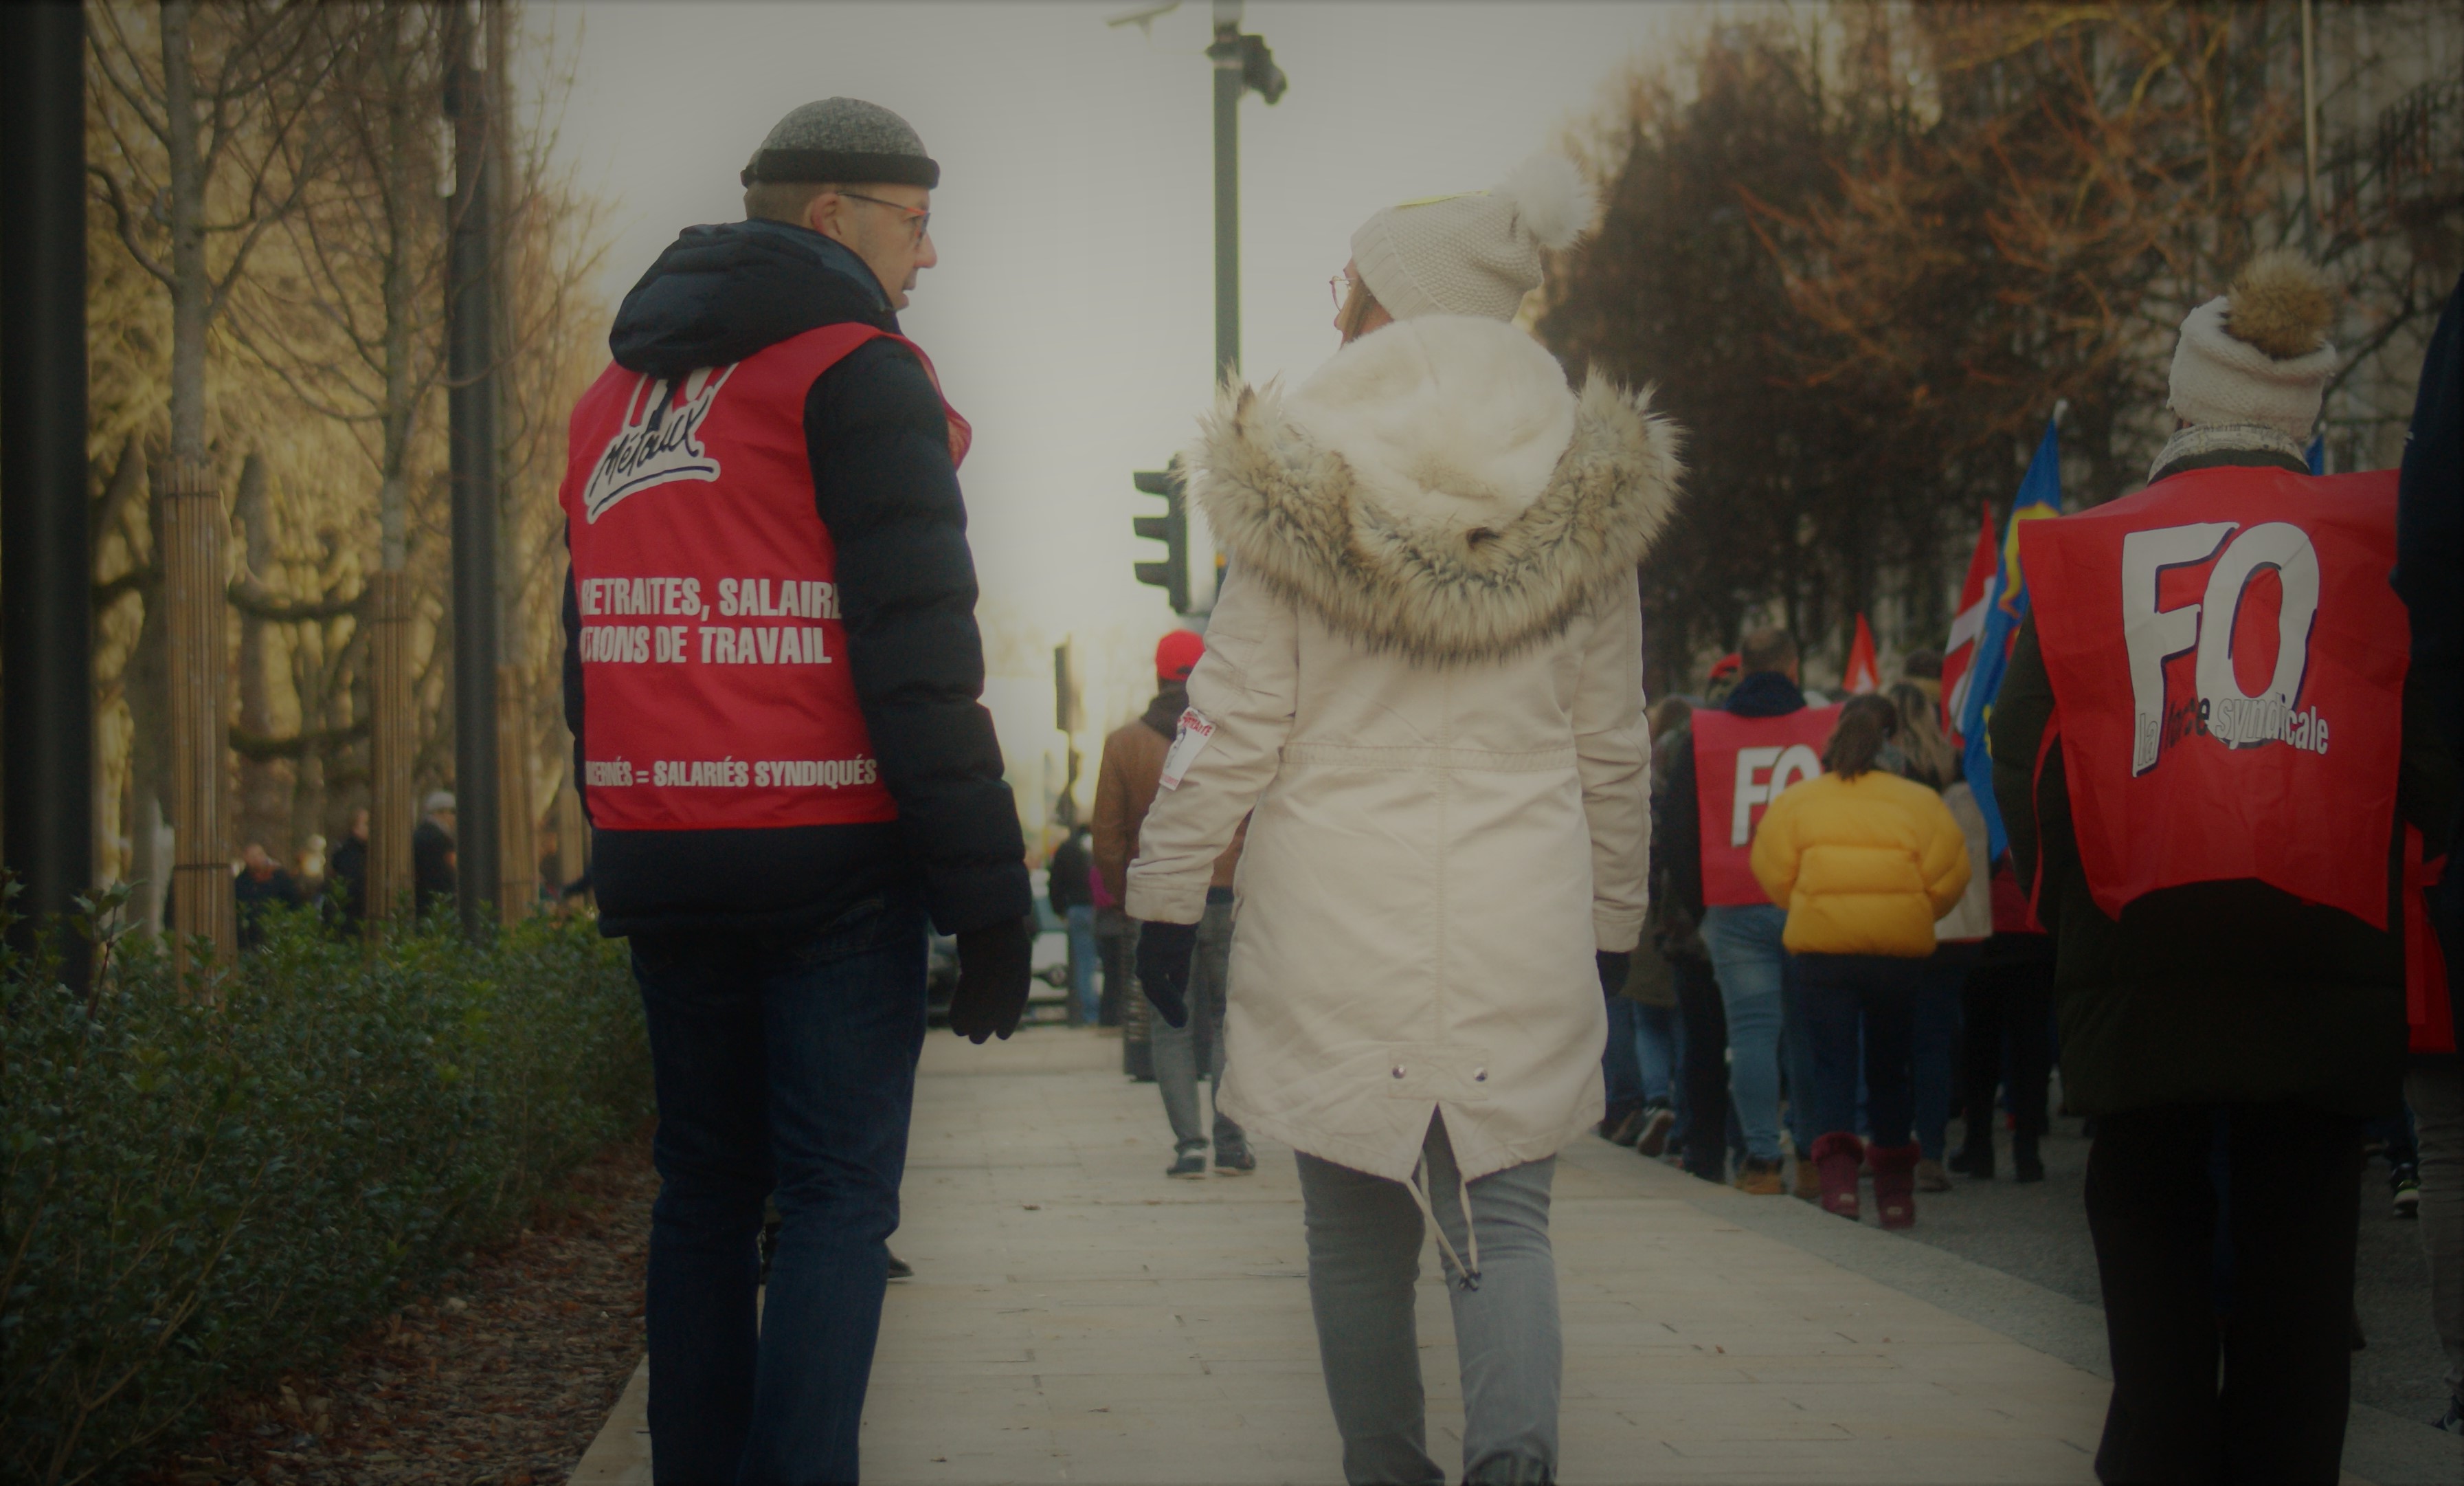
(1975, 1157)
(2026, 1166)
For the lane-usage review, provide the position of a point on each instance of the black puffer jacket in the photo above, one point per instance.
(2212, 992)
(884, 486)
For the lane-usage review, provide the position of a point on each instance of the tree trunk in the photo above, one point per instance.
(193, 573)
(517, 856)
(191, 553)
(264, 793)
(391, 814)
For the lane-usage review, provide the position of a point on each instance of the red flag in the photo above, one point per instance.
(1864, 672)
(1959, 654)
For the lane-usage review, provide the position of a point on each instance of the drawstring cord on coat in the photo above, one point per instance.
(1470, 1272)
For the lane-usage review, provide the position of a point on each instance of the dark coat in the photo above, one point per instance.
(431, 867)
(347, 880)
(1677, 816)
(252, 898)
(2212, 992)
(2430, 578)
(1065, 876)
(878, 444)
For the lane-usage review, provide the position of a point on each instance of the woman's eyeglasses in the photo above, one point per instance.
(1340, 288)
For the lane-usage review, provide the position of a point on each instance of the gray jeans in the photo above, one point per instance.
(1178, 1050)
(2439, 1124)
(1364, 1249)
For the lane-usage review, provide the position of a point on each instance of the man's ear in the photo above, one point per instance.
(816, 213)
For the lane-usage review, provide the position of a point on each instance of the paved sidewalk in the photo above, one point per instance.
(1076, 1317)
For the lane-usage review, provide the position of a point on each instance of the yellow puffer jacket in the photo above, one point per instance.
(1864, 865)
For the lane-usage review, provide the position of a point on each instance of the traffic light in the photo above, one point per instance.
(1171, 529)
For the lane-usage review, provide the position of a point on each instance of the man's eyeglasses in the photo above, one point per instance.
(918, 217)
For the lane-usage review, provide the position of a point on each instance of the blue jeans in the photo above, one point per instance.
(1838, 993)
(1621, 1078)
(786, 1068)
(1083, 960)
(1747, 956)
(1657, 1034)
(1936, 1051)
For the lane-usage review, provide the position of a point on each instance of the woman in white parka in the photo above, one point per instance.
(1423, 676)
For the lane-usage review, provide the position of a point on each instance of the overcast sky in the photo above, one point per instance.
(1071, 316)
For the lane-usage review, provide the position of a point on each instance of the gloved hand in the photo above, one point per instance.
(993, 964)
(1614, 966)
(1164, 953)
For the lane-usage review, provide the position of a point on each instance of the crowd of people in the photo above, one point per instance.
(1416, 887)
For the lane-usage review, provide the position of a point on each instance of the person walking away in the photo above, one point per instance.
(346, 876)
(1066, 885)
(1423, 673)
(1676, 910)
(2005, 1024)
(1926, 757)
(2217, 866)
(433, 880)
(1652, 986)
(262, 883)
(1126, 784)
(772, 674)
(1865, 862)
(1745, 752)
(2429, 562)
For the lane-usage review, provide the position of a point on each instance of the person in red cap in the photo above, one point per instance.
(1126, 784)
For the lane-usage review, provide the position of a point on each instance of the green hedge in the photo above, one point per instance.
(193, 1197)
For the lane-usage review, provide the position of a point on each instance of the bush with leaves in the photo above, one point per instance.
(204, 1183)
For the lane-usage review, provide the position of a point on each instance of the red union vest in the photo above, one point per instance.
(1740, 766)
(714, 657)
(2228, 661)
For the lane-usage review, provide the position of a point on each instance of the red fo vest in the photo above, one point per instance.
(1740, 766)
(713, 659)
(2227, 667)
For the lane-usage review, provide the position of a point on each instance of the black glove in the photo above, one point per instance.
(1615, 965)
(992, 965)
(1164, 953)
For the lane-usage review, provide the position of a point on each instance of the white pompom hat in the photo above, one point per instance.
(1475, 253)
(2257, 355)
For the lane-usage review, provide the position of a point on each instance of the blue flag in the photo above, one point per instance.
(2006, 606)
(2318, 454)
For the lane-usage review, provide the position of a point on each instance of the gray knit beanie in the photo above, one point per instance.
(844, 140)
(1476, 253)
(2258, 353)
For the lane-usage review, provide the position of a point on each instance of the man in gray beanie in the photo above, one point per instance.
(773, 676)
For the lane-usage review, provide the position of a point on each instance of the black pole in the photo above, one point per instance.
(471, 410)
(45, 552)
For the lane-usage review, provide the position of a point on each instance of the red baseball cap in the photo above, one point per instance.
(1729, 664)
(1177, 655)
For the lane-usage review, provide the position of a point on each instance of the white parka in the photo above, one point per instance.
(1424, 675)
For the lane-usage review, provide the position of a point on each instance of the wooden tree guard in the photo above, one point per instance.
(193, 582)
(517, 853)
(391, 812)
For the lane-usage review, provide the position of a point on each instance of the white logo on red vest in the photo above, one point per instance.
(2153, 635)
(657, 443)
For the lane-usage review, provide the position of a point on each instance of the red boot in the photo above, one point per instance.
(1835, 1156)
(1895, 1182)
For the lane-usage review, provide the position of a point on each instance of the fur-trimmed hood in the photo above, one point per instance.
(1436, 489)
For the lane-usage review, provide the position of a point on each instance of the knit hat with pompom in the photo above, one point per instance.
(1476, 253)
(2257, 355)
